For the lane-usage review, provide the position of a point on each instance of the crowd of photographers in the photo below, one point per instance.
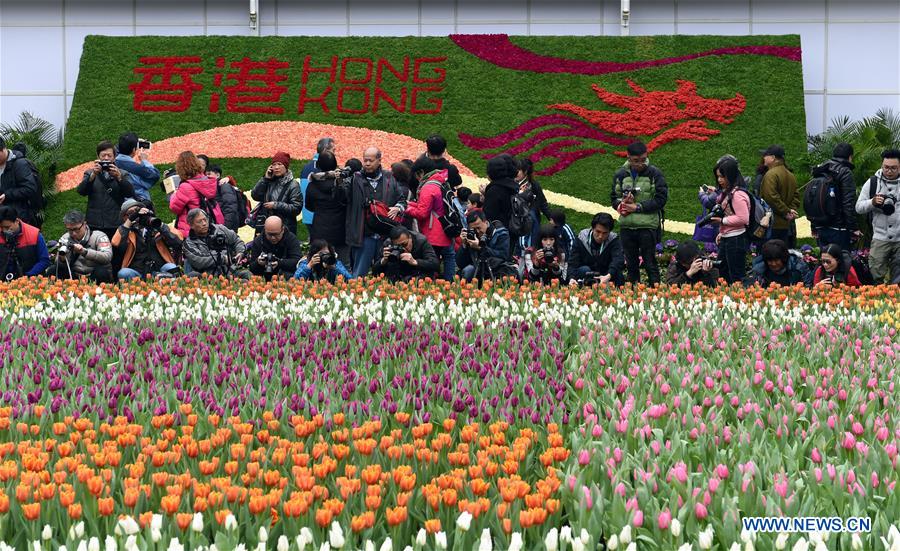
(416, 220)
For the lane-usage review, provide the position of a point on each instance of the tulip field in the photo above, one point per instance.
(242, 415)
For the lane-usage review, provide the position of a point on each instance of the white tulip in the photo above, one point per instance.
(387, 545)
(565, 534)
(325, 547)
(485, 543)
(856, 543)
(129, 526)
(749, 546)
(821, 546)
(705, 539)
(675, 527)
(685, 546)
(781, 541)
(893, 534)
(578, 546)
(260, 546)
(47, 532)
(464, 521)
(336, 535)
(515, 542)
(61, 548)
(156, 522)
(735, 547)
(369, 546)
(231, 523)
(631, 546)
(420, 538)
(197, 522)
(801, 545)
(747, 535)
(93, 544)
(240, 547)
(82, 546)
(131, 543)
(625, 535)
(175, 545)
(36, 545)
(440, 540)
(79, 529)
(408, 548)
(613, 543)
(110, 544)
(263, 535)
(283, 543)
(551, 540)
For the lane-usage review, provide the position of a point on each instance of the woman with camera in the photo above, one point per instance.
(196, 191)
(548, 262)
(328, 205)
(836, 268)
(106, 188)
(321, 262)
(732, 213)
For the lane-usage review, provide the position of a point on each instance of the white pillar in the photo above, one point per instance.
(254, 17)
(625, 15)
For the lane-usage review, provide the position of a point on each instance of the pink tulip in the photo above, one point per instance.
(638, 519)
(722, 471)
(849, 441)
(588, 500)
(816, 456)
(714, 484)
(818, 474)
(597, 431)
(664, 519)
(584, 457)
(700, 511)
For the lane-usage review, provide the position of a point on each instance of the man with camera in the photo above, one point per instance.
(145, 244)
(406, 255)
(134, 158)
(276, 252)
(321, 263)
(690, 268)
(106, 187)
(639, 194)
(878, 198)
(82, 252)
(23, 251)
(371, 190)
(597, 255)
(212, 248)
(485, 250)
(19, 187)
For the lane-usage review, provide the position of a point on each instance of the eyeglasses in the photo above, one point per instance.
(890, 168)
(75, 230)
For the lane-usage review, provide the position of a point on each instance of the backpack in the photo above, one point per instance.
(36, 202)
(451, 220)
(759, 229)
(520, 216)
(243, 206)
(821, 200)
(863, 274)
(209, 206)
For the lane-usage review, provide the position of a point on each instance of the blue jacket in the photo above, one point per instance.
(796, 272)
(143, 175)
(305, 272)
(304, 182)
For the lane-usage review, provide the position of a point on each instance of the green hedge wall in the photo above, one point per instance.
(478, 98)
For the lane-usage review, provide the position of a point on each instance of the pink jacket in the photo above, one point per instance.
(187, 197)
(737, 213)
(429, 206)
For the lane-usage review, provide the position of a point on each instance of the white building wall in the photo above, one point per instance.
(851, 48)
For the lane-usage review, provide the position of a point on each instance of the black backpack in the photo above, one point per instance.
(36, 202)
(863, 274)
(520, 216)
(451, 220)
(822, 198)
(208, 205)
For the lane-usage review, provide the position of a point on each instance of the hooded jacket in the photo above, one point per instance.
(429, 206)
(842, 171)
(498, 199)
(885, 227)
(187, 197)
(329, 208)
(285, 193)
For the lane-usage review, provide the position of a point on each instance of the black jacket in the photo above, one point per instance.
(288, 252)
(285, 193)
(611, 260)
(422, 251)
(234, 209)
(498, 200)
(20, 187)
(537, 199)
(677, 275)
(842, 169)
(359, 193)
(105, 196)
(330, 208)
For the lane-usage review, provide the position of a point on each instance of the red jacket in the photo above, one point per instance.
(852, 279)
(428, 207)
(187, 197)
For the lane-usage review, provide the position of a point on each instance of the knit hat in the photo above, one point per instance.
(283, 158)
(128, 204)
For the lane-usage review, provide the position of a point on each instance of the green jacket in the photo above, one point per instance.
(651, 198)
(779, 190)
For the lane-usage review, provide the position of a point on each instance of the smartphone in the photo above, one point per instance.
(144, 144)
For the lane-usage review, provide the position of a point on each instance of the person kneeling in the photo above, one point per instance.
(777, 263)
(147, 246)
(275, 252)
(212, 248)
(406, 255)
(548, 262)
(690, 268)
(82, 252)
(485, 253)
(23, 252)
(321, 263)
(836, 269)
(597, 254)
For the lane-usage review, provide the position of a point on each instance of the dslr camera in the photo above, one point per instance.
(268, 259)
(549, 255)
(146, 220)
(105, 165)
(327, 258)
(889, 205)
(394, 253)
(716, 212)
(716, 262)
(217, 242)
(63, 250)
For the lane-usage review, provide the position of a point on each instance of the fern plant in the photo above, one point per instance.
(43, 145)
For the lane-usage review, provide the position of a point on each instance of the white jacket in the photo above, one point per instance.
(885, 228)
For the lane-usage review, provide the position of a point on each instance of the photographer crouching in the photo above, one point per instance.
(275, 252)
(485, 253)
(548, 262)
(147, 246)
(406, 255)
(22, 248)
(212, 249)
(597, 254)
(321, 263)
(690, 268)
(82, 252)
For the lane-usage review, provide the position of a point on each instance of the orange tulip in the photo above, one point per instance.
(4, 502)
(105, 506)
(31, 510)
(170, 503)
(74, 511)
(323, 517)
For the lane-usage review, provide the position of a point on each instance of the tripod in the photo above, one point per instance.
(481, 266)
(68, 265)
